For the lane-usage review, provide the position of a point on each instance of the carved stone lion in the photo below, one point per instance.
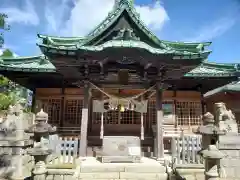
(225, 118)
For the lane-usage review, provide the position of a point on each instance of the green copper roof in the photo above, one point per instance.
(120, 7)
(28, 64)
(61, 41)
(231, 87)
(187, 46)
(125, 44)
(208, 69)
(43, 64)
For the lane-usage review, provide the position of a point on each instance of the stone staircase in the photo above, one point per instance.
(95, 143)
(148, 169)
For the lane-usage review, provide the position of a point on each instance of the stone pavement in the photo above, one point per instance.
(148, 169)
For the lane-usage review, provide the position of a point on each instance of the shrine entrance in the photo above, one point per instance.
(117, 122)
(120, 114)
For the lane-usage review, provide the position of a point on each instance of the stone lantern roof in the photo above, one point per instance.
(208, 118)
(41, 126)
(41, 116)
(212, 153)
(208, 126)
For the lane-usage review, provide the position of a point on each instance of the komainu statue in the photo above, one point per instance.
(225, 118)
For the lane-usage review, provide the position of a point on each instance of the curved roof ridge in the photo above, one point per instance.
(22, 57)
(207, 43)
(230, 87)
(39, 63)
(219, 65)
(130, 44)
(60, 37)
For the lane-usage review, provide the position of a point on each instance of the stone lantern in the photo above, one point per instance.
(41, 130)
(212, 158)
(210, 136)
(208, 130)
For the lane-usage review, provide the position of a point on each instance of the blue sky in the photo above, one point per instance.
(175, 20)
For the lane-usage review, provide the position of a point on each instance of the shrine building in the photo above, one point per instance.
(120, 79)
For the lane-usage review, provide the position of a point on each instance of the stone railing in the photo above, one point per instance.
(65, 150)
(185, 149)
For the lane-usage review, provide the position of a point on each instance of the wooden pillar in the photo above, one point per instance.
(84, 122)
(159, 122)
(62, 105)
(33, 108)
(203, 103)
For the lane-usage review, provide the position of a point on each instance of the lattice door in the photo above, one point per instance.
(151, 114)
(73, 112)
(110, 117)
(116, 117)
(53, 108)
(188, 113)
(130, 117)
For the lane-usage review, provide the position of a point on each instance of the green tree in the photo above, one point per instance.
(7, 53)
(8, 89)
(3, 27)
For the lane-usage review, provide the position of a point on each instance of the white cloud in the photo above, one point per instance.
(55, 12)
(26, 15)
(213, 30)
(154, 16)
(86, 14)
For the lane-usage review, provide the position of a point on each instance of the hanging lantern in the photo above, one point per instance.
(122, 109)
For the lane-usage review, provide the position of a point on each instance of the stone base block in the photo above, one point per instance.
(143, 176)
(143, 168)
(120, 159)
(106, 175)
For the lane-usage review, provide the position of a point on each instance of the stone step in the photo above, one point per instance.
(123, 176)
(148, 169)
(113, 167)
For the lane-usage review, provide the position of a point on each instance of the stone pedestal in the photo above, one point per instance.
(212, 158)
(39, 171)
(120, 149)
(229, 145)
(148, 169)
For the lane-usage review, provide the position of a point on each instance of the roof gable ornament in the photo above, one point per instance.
(118, 3)
(126, 34)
